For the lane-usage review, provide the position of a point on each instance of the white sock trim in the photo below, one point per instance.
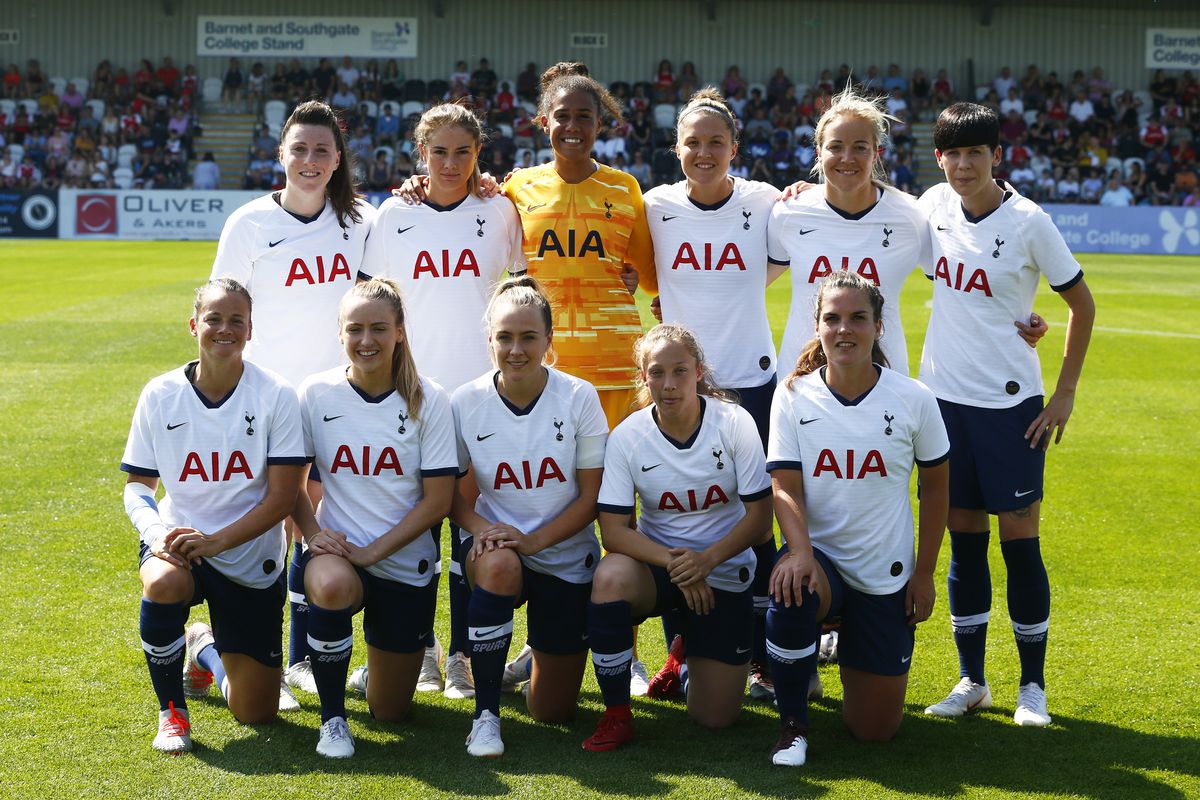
(330, 647)
(487, 633)
(298, 598)
(784, 654)
(610, 660)
(970, 620)
(162, 651)
(1031, 629)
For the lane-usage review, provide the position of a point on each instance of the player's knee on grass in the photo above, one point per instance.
(554, 691)
(873, 727)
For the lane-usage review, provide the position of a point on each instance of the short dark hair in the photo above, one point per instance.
(966, 125)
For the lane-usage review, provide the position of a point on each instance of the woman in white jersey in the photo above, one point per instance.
(533, 440)
(224, 438)
(382, 438)
(710, 250)
(696, 463)
(297, 251)
(447, 254)
(845, 433)
(854, 221)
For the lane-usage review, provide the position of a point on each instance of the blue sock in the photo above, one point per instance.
(792, 634)
(210, 659)
(460, 600)
(489, 632)
(760, 588)
(298, 605)
(610, 629)
(1028, 605)
(161, 628)
(970, 592)
(331, 640)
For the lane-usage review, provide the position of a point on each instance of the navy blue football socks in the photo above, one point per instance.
(460, 600)
(298, 606)
(161, 628)
(489, 631)
(331, 641)
(970, 591)
(760, 589)
(1028, 605)
(610, 630)
(791, 645)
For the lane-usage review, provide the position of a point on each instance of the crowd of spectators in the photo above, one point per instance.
(1079, 141)
(112, 129)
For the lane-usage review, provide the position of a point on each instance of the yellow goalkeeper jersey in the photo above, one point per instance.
(577, 237)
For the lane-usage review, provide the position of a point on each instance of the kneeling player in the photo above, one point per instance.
(989, 246)
(224, 437)
(697, 464)
(845, 432)
(382, 439)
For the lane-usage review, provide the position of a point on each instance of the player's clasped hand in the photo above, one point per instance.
(500, 536)
(699, 597)
(1052, 420)
(329, 542)
(919, 597)
(791, 574)
(190, 544)
(687, 566)
(160, 549)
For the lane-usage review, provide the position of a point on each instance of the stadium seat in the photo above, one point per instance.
(981, 92)
(1147, 105)
(388, 152)
(412, 108)
(16, 152)
(520, 156)
(30, 107)
(762, 87)
(801, 88)
(125, 155)
(387, 105)
(664, 116)
(58, 85)
(123, 177)
(529, 106)
(211, 90)
(97, 106)
(372, 107)
(8, 107)
(1129, 162)
(274, 113)
(505, 129)
(1030, 116)
(544, 156)
(81, 85)
(1114, 163)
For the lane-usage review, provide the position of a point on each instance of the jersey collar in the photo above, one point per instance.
(691, 440)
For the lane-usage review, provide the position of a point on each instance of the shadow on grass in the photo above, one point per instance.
(928, 757)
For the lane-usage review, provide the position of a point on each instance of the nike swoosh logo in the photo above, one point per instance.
(404, 230)
(741, 650)
(479, 438)
(171, 427)
(668, 219)
(806, 232)
(940, 228)
(806, 421)
(906, 659)
(276, 654)
(327, 647)
(531, 208)
(162, 651)
(487, 633)
(1022, 494)
(647, 469)
(272, 244)
(609, 661)
(328, 418)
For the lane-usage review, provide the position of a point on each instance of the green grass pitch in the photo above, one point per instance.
(84, 325)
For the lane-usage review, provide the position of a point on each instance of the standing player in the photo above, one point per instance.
(989, 246)
(533, 438)
(447, 254)
(382, 438)
(710, 247)
(697, 464)
(224, 437)
(845, 433)
(297, 251)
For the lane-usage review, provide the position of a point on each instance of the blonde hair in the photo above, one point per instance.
(443, 114)
(673, 333)
(708, 101)
(521, 292)
(850, 103)
(404, 369)
(813, 357)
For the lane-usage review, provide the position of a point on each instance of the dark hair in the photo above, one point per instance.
(341, 184)
(812, 357)
(966, 125)
(223, 285)
(571, 76)
(404, 369)
(708, 101)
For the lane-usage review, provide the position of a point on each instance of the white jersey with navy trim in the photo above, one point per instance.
(712, 275)
(693, 493)
(296, 273)
(884, 245)
(857, 460)
(372, 456)
(212, 459)
(985, 275)
(447, 262)
(525, 461)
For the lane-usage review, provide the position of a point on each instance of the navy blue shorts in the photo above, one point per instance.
(875, 635)
(244, 620)
(757, 400)
(725, 634)
(992, 466)
(557, 612)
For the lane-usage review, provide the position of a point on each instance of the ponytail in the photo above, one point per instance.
(813, 357)
(404, 368)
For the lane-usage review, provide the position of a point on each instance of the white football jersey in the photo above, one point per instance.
(857, 460)
(372, 456)
(447, 262)
(525, 461)
(712, 275)
(296, 273)
(985, 275)
(883, 244)
(212, 459)
(693, 492)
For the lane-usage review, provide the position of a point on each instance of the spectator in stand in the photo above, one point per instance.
(387, 127)
(920, 92)
(1003, 82)
(208, 173)
(298, 80)
(1162, 89)
(759, 125)
(72, 98)
(1153, 133)
(737, 101)
(1033, 93)
(506, 102)
(1081, 110)
(12, 81)
(640, 170)
(362, 144)
(391, 82)
(1013, 128)
(29, 176)
(527, 83)
(1023, 177)
(732, 81)
(1186, 180)
(168, 75)
(102, 81)
(1047, 186)
(344, 98)
(370, 81)
(1068, 188)
(402, 169)
(144, 77)
(777, 86)
(1098, 85)
(1160, 183)
(664, 83)
(1193, 198)
(943, 89)
(483, 80)
(1116, 194)
(347, 73)
(1092, 186)
(189, 85)
(1012, 102)
(896, 104)
(324, 78)
(894, 80)
(260, 173)
(256, 85)
(231, 85)
(379, 175)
